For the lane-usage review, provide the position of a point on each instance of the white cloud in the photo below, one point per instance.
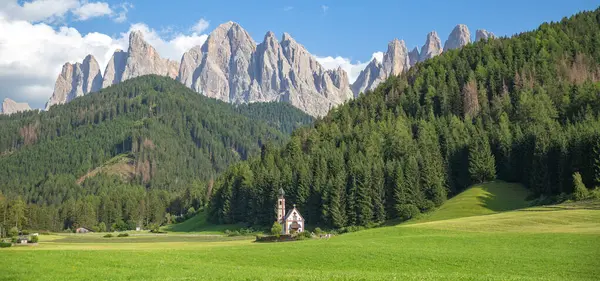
(378, 56)
(288, 8)
(29, 65)
(92, 10)
(121, 16)
(353, 69)
(324, 8)
(200, 26)
(38, 10)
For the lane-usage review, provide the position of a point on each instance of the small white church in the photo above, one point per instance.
(291, 220)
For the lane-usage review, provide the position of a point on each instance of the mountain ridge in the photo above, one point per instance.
(232, 67)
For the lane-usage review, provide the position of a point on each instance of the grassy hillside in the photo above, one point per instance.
(199, 224)
(542, 243)
(481, 199)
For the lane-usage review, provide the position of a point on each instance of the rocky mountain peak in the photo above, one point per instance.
(270, 36)
(76, 80)
(413, 56)
(136, 38)
(140, 59)
(286, 37)
(396, 60)
(482, 34)
(459, 37)
(432, 46)
(9, 106)
(190, 61)
(113, 73)
(368, 78)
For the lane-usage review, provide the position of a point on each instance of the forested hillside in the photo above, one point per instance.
(522, 109)
(128, 154)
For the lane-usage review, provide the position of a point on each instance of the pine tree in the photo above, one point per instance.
(580, 192)
(597, 161)
(482, 165)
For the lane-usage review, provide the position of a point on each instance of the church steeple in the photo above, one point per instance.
(281, 206)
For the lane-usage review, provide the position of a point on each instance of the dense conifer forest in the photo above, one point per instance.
(521, 109)
(134, 154)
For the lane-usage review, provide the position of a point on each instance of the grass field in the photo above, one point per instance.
(483, 242)
(199, 224)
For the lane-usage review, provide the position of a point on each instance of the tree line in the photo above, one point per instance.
(521, 109)
(129, 154)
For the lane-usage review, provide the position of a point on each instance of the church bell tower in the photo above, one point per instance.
(281, 206)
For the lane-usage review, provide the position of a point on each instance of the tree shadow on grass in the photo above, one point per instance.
(501, 196)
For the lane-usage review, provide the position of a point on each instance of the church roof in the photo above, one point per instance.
(290, 212)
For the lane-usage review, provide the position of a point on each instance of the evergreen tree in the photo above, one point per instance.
(482, 165)
(580, 192)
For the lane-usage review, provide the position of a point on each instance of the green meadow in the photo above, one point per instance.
(485, 233)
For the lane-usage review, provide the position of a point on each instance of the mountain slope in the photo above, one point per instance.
(522, 109)
(176, 140)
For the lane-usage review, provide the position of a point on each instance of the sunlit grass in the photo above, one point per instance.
(541, 243)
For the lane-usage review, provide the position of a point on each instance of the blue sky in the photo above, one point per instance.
(351, 29)
(38, 36)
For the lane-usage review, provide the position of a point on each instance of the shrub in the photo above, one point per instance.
(580, 192)
(25, 232)
(154, 228)
(123, 235)
(407, 211)
(191, 211)
(34, 239)
(108, 235)
(595, 193)
(276, 229)
(318, 231)
(13, 231)
(5, 244)
(352, 228)
(102, 227)
(306, 234)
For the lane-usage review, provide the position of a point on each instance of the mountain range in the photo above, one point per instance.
(231, 67)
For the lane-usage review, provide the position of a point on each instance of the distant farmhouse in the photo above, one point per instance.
(290, 221)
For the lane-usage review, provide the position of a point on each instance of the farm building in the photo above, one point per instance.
(290, 221)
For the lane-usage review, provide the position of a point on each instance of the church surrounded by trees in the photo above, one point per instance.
(522, 109)
(292, 221)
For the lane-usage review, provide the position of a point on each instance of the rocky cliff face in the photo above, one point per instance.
(231, 67)
(10, 106)
(368, 77)
(395, 61)
(140, 59)
(413, 56)
(432, 46)
(459, 37)
(76, 80)
(482, 34)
